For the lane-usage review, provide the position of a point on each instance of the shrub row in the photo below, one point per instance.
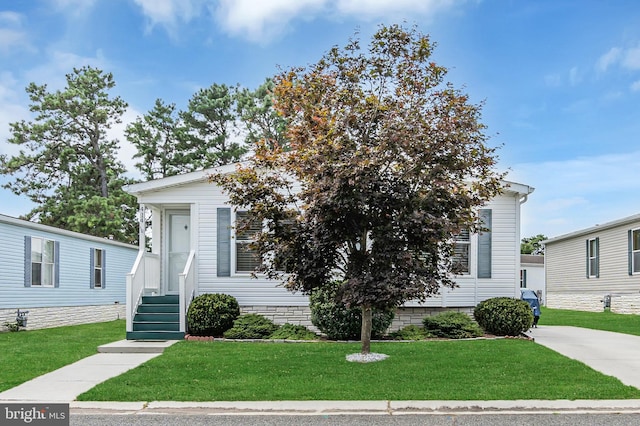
(219, 315)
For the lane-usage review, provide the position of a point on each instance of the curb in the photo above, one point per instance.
(356, 407)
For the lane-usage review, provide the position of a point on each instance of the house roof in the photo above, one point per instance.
(202, 175)
(51, 229)
(595, 228)
(532, 259)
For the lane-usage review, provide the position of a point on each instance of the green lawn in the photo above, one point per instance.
(28, 354)
(608, 321)
(433, 370)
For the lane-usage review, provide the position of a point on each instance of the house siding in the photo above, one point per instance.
(567, 285)
(204, 199)
(74, 269)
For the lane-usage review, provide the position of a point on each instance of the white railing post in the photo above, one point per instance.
(186, 282)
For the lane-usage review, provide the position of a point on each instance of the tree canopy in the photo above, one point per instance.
(388, 163)
(67, 165)
(531, 245)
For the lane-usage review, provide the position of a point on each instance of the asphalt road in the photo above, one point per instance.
(547, 419)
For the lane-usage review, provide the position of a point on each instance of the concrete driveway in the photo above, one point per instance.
(614, 354)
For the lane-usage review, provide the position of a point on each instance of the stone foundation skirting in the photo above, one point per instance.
(620, 303)
(301, 315)
(69, 315)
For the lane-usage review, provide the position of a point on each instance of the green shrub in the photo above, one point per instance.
(504, 316)
(251, 326)
(293, 332)
(341, 323)
(410, 332)
(212, 314)
(452, 325)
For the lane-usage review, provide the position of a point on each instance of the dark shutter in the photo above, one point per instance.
(104, 268)
(56, 264)
(224, 242)
(484, 244)
(27, 261)
(630, 251)
(92, 268)
(598, 257)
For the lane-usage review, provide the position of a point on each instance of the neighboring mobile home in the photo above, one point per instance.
(60, 277)
(532, 274)
(194, 250)
(595, 268)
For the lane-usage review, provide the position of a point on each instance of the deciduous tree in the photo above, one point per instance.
(388, 163)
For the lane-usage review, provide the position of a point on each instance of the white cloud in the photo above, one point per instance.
(578, 193)
(611, 57)
(631, 59)
(11, 110)
(127, 149)
(58, 64)
(635, 86)
(574, 76)
(12, 36)
(260, 21)
(169, 14)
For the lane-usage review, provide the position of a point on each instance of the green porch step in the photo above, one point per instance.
(157, 318)
(155, 335)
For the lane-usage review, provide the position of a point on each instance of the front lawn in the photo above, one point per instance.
(608, 321)
(502, 369)
(27, 354)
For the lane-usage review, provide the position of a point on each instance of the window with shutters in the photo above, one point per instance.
(634, 255)
(592, 258)
(97, 268)
(42, 262)
(461, 252)
(247, 258)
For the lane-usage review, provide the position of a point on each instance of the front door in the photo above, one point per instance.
(178, 247)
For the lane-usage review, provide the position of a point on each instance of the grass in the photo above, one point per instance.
(479, 369)
(606, 320)
(28, 354)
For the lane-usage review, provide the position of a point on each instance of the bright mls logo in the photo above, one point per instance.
(35, 414)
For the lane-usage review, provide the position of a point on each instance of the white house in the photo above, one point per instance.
(194, 250)
(532, 274)
(60, 277)
(595, 267)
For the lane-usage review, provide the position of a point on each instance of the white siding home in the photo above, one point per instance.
(60, 277)
(595, 268)
(532, 274)
(194, 250)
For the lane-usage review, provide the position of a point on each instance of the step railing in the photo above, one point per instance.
(186, 281)
(144, 276)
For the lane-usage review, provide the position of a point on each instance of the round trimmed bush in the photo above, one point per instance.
(212, 314)
(504, 316)
(451, 325)
(251, 326)
(341, 323)
(410, 332)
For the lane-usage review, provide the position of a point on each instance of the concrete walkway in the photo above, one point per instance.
(66, 383)
(613, 354)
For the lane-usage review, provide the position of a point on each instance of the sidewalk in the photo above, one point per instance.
(66, 383)
(610, 353)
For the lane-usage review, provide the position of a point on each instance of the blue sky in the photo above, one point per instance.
(560, 79)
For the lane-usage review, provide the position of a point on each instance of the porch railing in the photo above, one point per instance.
(187, 280)
(144, 277)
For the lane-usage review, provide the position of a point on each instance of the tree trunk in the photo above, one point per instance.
(365, 335)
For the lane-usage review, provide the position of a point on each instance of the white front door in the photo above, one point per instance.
(178, 246)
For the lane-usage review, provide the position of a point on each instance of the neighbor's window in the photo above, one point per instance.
(247, 259)
(98, 268)
(42, 262)
(523, 278)
(461, 252)
(635, 251)
(592, 257)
